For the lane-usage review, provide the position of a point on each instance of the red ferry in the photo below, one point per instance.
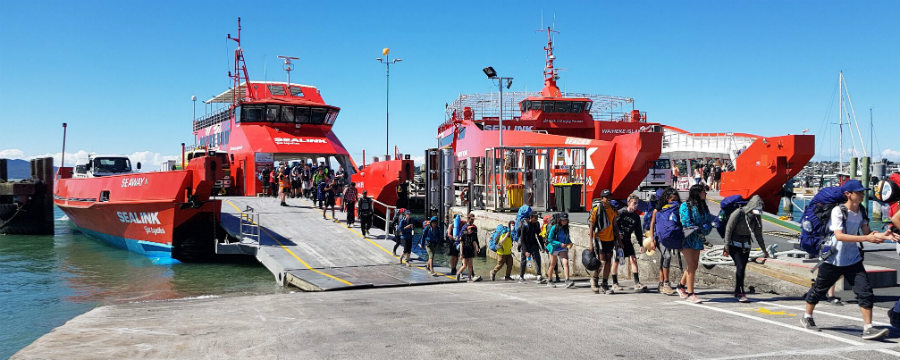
(165, 215)
(620, 146)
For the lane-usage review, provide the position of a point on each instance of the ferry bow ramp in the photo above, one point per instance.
(302, 249)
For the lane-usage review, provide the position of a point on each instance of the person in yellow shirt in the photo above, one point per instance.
(504, 255)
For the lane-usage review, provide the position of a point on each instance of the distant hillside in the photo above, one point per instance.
(19, 169)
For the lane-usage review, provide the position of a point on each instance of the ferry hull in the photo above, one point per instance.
(163, 215)
(380, 180)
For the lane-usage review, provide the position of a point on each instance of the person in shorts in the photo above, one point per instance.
(666, 197)
(469, 247)
(558, 244)
(431, 241)
(603, 230)
(405, 230)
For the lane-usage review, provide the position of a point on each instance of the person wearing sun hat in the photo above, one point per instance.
(847, 220)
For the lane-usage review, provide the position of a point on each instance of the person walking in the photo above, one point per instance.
(365, 213)
(296, 183)
(431, 242)
(469, 247)
(273, 184)
(744, 224)
(665, 230)
(284, 183)
(504, 254)
(264, 179)
(349, 201)
(395, 226)
(454, 237)
(405, 229)
(603, 230)
(531, 244)
(402, 193)
(558, 244)
(695, 220)
(845, 260)
(328, 194)
(629, 223)
(698, 174)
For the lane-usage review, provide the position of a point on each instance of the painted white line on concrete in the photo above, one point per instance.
(773, 322)
(803, 310)
(825, 352)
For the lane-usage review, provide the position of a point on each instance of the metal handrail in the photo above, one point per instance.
(387, 214)
(213, 119)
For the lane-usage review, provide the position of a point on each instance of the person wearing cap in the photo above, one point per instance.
(846, 222)
(405, 228)
(744, 226)
(530, 245)
(603, 230)
(558, 244)
(365, 213)
(431, 240)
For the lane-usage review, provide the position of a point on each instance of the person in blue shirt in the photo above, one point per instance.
(558, 243)
(695, 218)
(431, 241)
(846, 222)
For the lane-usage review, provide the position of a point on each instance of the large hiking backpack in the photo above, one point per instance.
(524, 214)
(457, 223)
(728, 206)
(496, 235)
(365, 205)
(596, 207)
(814, 224)
(646, 219)
(669, 230)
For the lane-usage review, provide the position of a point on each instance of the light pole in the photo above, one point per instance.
(387, 89)
(194, 100)
(492, 74)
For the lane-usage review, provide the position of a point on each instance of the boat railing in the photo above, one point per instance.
(486, 106)
(249, 225)
(221, 116)
(388, 214)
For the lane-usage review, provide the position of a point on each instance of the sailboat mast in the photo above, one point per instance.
(841, 123)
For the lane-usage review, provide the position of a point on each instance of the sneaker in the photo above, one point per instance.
(408, 264)
(743, 298)
(594, 287)
(551, 284)
(570, 284)
(453, 271)
(694, 299)
(521, 280)
(459, 276)
(477, 278)
(638, 287)
(666, 289)
(895, 318)
(434, 274)
(616, 287)
(541, 280)
(809, 323)
(493, 276)
(682, 293)
(834, 300)
(507, 278)
(874, 333)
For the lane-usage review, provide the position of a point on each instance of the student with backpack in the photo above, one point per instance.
(504, 254)
(558, 244)
(328, 194)
(744, 224)
(469, 247)
(629, 222)
(431, 240)
(696, 222)
(602, 229)
(349, 202)
(365, 213)
(530, 246)
(842, 256)
(395, 226)
(666, 230)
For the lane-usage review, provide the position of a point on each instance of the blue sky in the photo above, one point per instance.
(122, 73)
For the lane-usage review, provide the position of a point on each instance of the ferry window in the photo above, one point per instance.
(287, 114)
(523, 106)
(301, 115)
(587, 106)
(662, 164)
(317, 115)
(252, 113)
(563, 107)
(332, 114)
(535, 105)
(577, 107)
(276, 89)
(112, 165)
(272, 113)
(548, 106)
(296, 91)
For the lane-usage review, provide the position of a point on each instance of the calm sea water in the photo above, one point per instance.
(48, 280)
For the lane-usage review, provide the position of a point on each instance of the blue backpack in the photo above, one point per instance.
(648, 215)
(814, 223)
(457, 223)
(669, 230)
(495, 236)
(728, 206)
(524, 214)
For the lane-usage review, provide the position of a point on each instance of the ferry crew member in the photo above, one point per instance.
(847, 261)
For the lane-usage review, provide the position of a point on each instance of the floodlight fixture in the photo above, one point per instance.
(490, 72)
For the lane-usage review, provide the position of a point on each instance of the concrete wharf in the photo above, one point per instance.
(315, 253)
